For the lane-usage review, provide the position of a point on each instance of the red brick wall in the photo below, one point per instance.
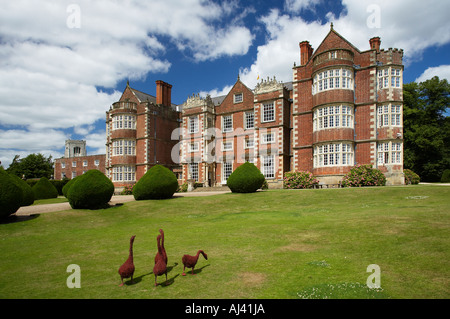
(79, 169)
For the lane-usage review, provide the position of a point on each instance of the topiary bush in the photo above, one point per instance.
(27, 192)
(158, 183)
(66, 187)
(10, 195)
(445, 178)
(363, 175)
(44, 189)
(92, 190)
(411, 177)
(247, 178)
(298, 180)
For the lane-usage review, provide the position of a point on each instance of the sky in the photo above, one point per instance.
(64, 62)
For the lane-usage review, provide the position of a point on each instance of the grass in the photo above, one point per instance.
(274, 244)
(59, 199)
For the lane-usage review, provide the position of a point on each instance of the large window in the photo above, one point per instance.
(124, 122)
(268, 112)
(193, 171)
(227, 170)
(227, 146)
(193, 124)
(124, 174)
(227, 123)
(333, 116)
(124, 147)
(333, 79)
(333, 154)
(249, 120)
(390, 153)
(268, 163)
(389, 115)
(390, 77)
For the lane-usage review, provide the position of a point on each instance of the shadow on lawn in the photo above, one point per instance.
(16, 219)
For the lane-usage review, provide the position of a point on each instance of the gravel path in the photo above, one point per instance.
(47, 208)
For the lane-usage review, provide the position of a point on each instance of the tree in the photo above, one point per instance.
(32, 166)
(426, 128)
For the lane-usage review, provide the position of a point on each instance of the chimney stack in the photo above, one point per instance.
(163, 93)
(375, 43)
(305, 52)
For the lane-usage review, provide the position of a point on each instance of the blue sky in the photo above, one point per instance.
(63, 63)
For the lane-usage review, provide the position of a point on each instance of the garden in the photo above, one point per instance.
(289, 243)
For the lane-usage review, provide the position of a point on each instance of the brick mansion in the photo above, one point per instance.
(343, 107)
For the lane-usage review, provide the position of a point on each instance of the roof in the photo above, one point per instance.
(144, 97)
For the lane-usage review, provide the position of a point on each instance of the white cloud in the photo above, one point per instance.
(298, 5)
(216, 92)
(51, 68)
(442, 71)
(409, 25)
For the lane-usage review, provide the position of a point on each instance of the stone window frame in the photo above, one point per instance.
(340, 78)
(238, 98)
(389, 115)
(389, 153)
(268, 111)
(124, 173)
(333, 154)
(333, 116)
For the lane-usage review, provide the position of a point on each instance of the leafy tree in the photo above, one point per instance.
(426, 128)
(32, 166)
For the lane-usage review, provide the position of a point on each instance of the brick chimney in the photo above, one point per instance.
(305, 52)
(163, 93)
(375, 43)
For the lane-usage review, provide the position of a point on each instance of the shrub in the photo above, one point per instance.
(92, 190)
(158, 183)
(297, 180)
(66, 187)
(363, 175)
(445, 178)
(182, 188)
(59, 184)
(10, 195)
(27, 192)
(411, 177)
(247, 178)
(127, 190)
(44, 189)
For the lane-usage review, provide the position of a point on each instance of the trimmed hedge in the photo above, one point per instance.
(445, 178)
(92, 190)
(66, 187)
(27, 192)
(44, 189)
(158, 183)
(247, 178)
(411, 177)
(10, 195)
(363, 175)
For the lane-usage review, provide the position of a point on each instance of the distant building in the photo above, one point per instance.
(76, 161)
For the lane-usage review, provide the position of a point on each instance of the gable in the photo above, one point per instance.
(230, 105)
(136, 96)
(334, 40)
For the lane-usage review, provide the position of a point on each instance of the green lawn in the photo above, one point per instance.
(272, 244)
